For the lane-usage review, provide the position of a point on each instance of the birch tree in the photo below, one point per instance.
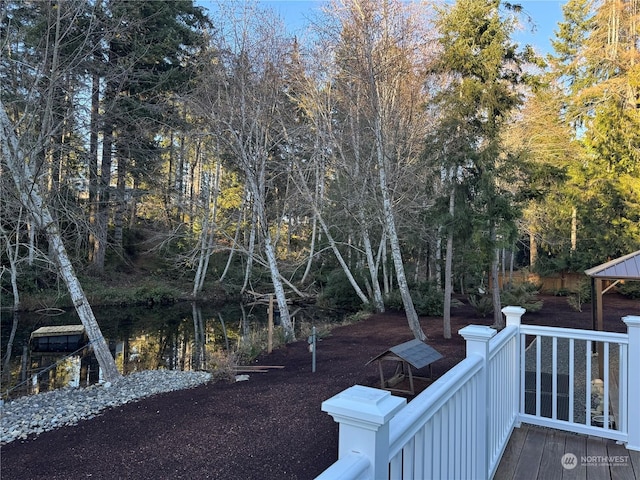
(19, 165)
(40, 72)
(244, 102)
(380, 50)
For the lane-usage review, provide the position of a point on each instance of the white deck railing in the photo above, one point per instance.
(460, 425)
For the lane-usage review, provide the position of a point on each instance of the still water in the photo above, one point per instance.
(184, 336)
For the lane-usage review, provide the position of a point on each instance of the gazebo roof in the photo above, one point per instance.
(623, 268)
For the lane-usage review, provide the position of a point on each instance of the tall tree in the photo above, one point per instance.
(379, 54)
(244, 101)
(484, 69)
(147, 63)
(596, 60)
(30, 128)
(21, 169)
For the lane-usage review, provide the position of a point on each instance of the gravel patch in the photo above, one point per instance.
(35, 414)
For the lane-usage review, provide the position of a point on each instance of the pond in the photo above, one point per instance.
(183, 336)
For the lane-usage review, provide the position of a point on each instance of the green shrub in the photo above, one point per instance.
(428, 299)
(156, 294)
(481, 302)
(522, 295)
(337, 292)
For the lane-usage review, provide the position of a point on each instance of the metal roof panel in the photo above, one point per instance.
(625, 267)
(415, 352)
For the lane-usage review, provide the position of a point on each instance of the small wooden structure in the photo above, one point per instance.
(59, 356)
(413, 353)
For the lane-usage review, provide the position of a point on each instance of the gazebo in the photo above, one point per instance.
(626, 267)
(623, 268)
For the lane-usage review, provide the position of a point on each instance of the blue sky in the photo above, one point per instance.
(544, 13)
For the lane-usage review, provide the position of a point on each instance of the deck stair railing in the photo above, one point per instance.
(460, 425)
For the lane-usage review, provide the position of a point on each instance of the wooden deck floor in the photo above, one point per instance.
(537, 453)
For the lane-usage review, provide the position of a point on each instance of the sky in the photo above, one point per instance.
(545, 15)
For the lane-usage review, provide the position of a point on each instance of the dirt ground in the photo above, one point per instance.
(269, 427)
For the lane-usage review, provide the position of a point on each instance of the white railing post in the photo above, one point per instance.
(477, 338)
(364, 414)
(513, 315)
(633, 382)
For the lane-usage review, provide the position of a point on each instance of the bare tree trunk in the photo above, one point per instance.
(118, 216)
(12, 255)
(378, 300)
(233, 247)
(208, 233)
(334, 247)
(319, 195)
(533, 247)
(390, 225)
(387, 280)
(93, 161)
(574, 229)
(21, 171)
(312, 248)
(498, 321)
(448, 261)
(250, 250)
(257, 182)
(278, 289)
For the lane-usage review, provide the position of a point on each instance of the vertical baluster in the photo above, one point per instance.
(554, 378)
(622, 382)
(523, 366)
(538, 365)
(436, 457)
(495, 392)
(418, 468)
(605, 411)
(571, 379)
(588, 383)
(464, 431)
(429, 432)
(408, 460)
(632, 394)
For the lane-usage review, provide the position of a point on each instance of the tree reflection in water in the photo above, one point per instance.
(183, 336)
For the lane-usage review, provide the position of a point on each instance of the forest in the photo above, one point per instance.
(396, 154)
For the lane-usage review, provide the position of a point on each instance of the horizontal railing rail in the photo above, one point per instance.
(353, 466)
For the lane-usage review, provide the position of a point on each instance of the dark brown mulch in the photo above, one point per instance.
(269, 427)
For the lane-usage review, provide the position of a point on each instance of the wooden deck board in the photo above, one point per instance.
(553, 450)
(576, 444)
(596, 448)
(536, 453)
(626, 471)
(529, 462)
(507, 466)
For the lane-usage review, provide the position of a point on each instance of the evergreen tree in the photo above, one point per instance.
(148, 63)
(596, 62)
(483, 69)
